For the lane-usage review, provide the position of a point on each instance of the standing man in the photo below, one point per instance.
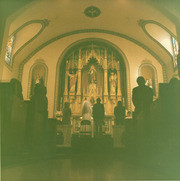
(98, 115)
(142, 98)
(66, 114)
(119, 113)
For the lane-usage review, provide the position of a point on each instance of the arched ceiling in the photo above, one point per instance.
(118, 17)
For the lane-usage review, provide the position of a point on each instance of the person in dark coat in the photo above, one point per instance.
(39, 100)
(98, 115)
(119, 113)
(142, 98)
(66, 113)
(38, 114)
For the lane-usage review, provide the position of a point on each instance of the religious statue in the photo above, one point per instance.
(92, 74)
(149, 83)
(112, 82)
(37, 79)
(72, 81)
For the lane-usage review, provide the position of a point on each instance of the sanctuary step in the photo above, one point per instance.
(88, 144)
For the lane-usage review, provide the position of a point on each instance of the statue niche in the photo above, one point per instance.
(72, 81)
(38, 75)
(148, 73)
(113, 83)
(92, 75)
(92, 89)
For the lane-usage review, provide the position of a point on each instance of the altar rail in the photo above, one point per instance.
(107, 127)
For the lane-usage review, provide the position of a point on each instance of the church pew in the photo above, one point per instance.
(13, 117)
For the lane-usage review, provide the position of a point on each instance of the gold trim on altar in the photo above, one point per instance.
(92, 72)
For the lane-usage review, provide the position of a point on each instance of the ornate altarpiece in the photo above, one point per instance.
(93, 71)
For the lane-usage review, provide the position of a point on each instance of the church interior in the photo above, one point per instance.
(63, 52)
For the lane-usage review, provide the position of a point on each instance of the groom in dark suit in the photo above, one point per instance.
(98, 115)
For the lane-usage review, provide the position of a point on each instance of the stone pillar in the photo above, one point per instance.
(79, 77)
(118, 83)
(66, 83)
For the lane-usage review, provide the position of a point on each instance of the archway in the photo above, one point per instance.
(149, 72)
(112, 82)
(38, 73)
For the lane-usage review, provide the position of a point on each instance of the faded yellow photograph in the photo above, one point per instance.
(90, 90)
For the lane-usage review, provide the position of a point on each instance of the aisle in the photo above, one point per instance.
(86, 167)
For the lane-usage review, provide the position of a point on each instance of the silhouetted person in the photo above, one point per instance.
(98, 115)
(38, 117)
(16, 88)
(119, 113)
(172, 111)
(39, 100)
(142, 98)
(174, 90)
(172, 115)
(66, 113)
(16, 115)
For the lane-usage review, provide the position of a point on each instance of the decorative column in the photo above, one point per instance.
(66, 83)
(105, 75)
(105, 83)
(79, 77)
(118, 83)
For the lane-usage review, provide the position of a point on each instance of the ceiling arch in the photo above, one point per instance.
(43, 24)
(144, 23)
(118, 18)
(68, 16)
(91, 31)
(81, 41)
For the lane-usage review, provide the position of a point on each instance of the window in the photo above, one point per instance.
(164, 37)
(175, 50)
(9, 49)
